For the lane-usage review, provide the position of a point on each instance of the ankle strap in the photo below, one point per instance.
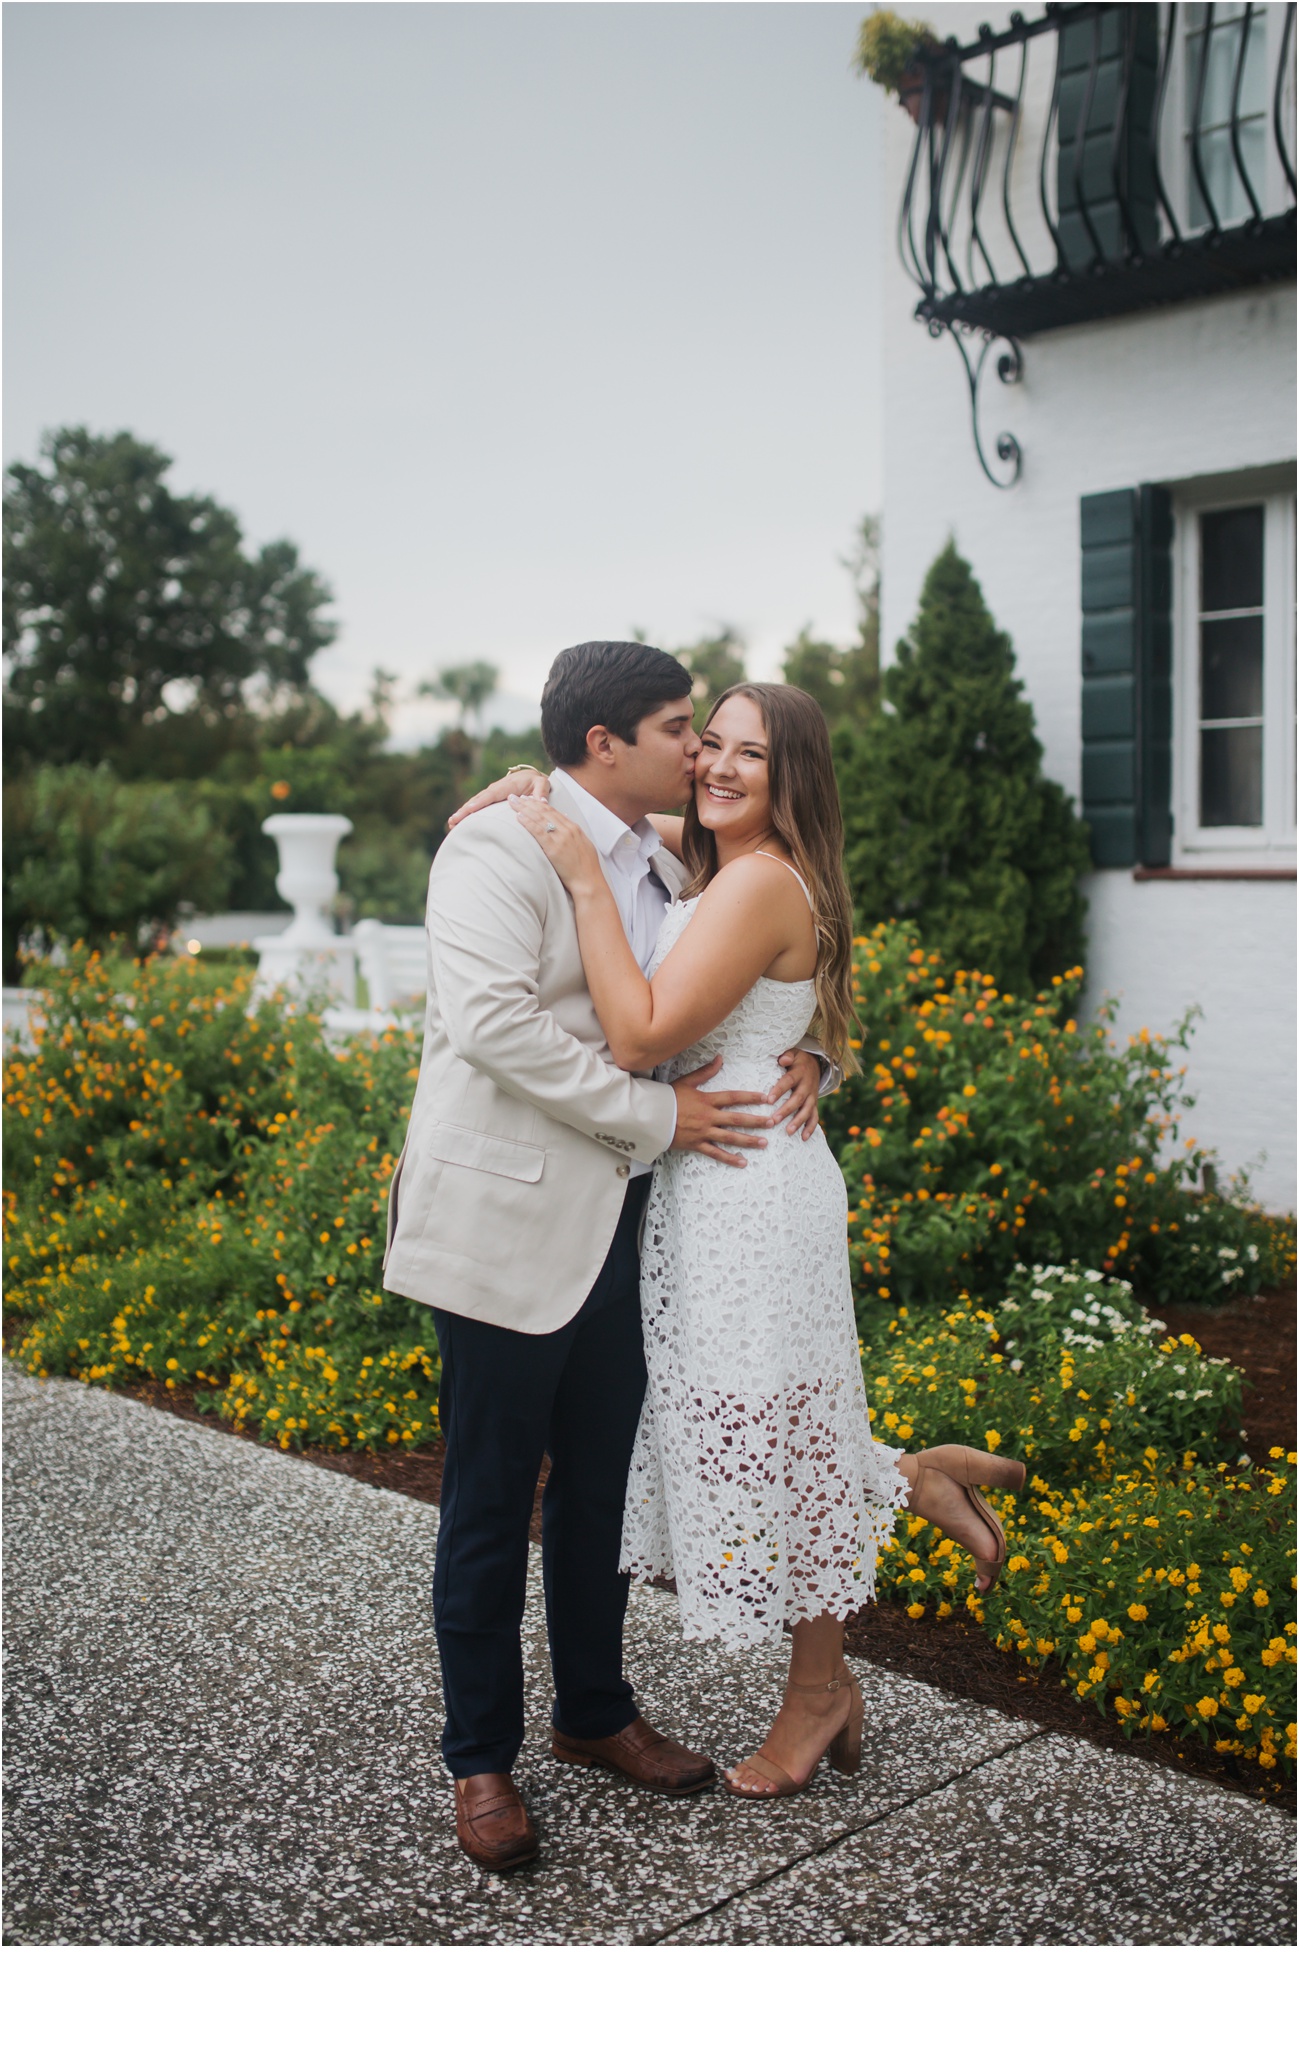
(831, 1684)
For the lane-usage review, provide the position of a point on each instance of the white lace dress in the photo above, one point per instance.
(755, 1480)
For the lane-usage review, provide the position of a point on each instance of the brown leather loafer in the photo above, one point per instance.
(492, 1822)
(641, 1754)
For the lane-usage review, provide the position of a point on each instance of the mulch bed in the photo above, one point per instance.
(1257, 1335)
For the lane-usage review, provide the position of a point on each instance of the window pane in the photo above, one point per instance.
(1231, 775)
(1231, 559)
(1217, 163)
(1219, 78)
(1254, 97)
(1231, 668)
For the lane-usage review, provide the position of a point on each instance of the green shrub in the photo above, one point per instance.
(203, 1202)
(948, 818)
(1160, 1592)
(86, 855)
(986, 1130)
(1065, 1371)
(1155, 1571)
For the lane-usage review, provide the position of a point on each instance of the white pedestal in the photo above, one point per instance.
(309, 958)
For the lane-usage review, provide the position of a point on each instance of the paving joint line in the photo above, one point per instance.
(836, 1841)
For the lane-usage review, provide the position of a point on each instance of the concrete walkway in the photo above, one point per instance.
(223, 1721)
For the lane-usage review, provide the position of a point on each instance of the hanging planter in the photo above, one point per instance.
(889, 52)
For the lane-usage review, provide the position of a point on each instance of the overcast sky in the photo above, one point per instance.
(528, 323)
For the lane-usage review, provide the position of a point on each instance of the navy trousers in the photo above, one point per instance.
(506, 1398)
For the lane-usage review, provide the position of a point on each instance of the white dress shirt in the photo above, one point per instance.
(624, 851)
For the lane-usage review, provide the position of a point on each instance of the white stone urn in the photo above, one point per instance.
(309, 957)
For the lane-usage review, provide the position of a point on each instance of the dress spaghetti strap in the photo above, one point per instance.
(793, 871)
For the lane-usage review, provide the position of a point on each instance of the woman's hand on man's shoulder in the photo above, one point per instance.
(521, 781)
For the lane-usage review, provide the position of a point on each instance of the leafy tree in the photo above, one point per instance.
(716, 663)
(470, 685)
(127, 606)
(949, 818)
(87, 856)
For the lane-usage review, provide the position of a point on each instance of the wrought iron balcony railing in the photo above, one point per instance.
(1097, 161)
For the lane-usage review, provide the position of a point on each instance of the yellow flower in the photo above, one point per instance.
(1253, 1702)
(916, 1609)
(1260, 1598)
(1073, 1613)
(1137, 1612)
(992, 1438)
(1206, 1708)
(1234, 1677)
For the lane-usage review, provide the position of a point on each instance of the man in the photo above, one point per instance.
(515, 1212)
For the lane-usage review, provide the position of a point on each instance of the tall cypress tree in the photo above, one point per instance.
(949, 818)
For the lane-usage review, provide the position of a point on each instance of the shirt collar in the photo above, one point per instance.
(611, 836)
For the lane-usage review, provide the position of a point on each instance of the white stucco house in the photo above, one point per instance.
(1090, 384)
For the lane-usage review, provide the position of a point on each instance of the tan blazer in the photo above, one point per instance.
(512, 1177)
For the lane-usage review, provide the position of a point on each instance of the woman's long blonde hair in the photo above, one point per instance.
(805, 815)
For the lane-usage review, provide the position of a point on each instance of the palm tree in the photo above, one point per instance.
(470, 686)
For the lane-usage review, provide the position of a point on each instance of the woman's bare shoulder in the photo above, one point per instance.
(756, 878)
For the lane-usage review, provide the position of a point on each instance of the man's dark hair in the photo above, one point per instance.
(614, 683)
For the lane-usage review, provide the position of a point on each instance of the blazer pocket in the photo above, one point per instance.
(457, 1146)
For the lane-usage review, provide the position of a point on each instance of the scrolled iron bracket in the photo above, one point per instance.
(1010, 370)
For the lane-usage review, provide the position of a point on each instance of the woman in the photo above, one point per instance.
(755, 1480)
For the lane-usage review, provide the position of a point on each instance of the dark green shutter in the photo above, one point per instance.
(1127, 676)
(1116, 50)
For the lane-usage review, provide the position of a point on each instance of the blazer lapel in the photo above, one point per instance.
(669, 871)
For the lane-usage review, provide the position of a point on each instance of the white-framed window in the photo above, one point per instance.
(1234, 675)
(1230, 40)
(1210, 78)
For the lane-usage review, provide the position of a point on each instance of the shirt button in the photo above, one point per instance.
(622, 1171)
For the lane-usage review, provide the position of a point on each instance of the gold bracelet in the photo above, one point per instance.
(524, 768)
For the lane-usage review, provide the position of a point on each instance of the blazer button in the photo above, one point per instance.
(622, 1171)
